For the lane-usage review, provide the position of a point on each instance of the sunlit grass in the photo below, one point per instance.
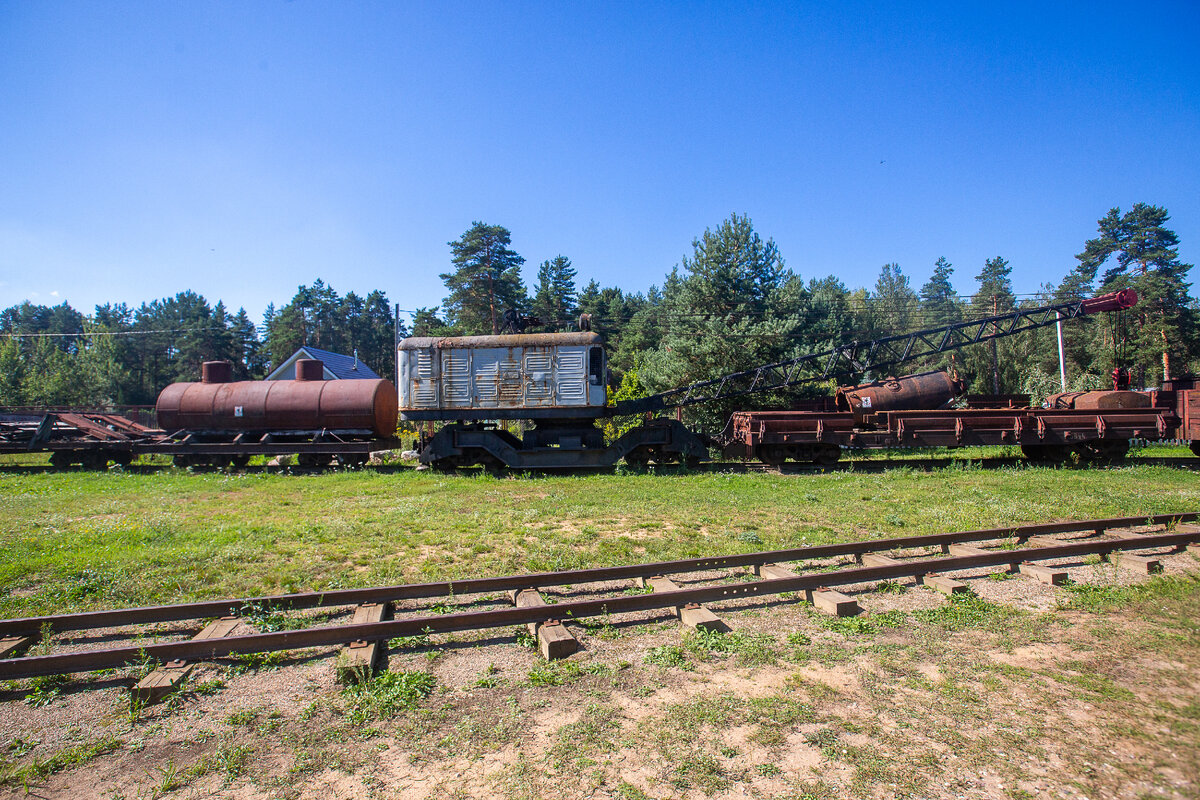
(79, 540)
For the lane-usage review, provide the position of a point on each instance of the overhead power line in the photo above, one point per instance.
(110, 333)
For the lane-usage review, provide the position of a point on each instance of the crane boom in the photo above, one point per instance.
(876, 354)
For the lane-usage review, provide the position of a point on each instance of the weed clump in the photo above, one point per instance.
(671, 655)
(387, 694)
(749, 648)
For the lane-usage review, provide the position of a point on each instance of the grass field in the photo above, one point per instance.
(1087, 690)
(78, 540)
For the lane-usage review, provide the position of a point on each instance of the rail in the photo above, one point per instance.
(193, 650)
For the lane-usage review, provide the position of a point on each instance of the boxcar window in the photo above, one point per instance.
(596, 366)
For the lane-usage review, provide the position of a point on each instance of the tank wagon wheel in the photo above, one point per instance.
(239, 462)
(185, 461)
(492, 464)
(122, 459)
(640, 457)
(60, 459)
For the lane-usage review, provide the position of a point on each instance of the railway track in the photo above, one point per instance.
(1024, 548)
(748, 467)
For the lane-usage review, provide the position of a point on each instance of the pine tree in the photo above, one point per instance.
(894, 305)
(555, 298)
(734, 307)
(991, 367)
(939, 301)
(486, 279)
(247, 365)
(1161, 331)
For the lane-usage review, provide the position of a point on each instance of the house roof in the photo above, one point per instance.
(337, 366)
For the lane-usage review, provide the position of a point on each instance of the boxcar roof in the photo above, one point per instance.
(517, 340)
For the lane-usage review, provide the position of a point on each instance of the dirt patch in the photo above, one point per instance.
(1006, 696)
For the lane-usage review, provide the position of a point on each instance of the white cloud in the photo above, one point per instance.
(54, 293)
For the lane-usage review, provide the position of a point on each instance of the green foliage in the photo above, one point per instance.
(386, 694)
(555, 296)
(748, 647)
(268, 620)
(41, 768)
(631, 388)
(554, 673)
(486, 280)
(732, 306)
(319, 317)
(669, 655)
(966, 610)
(44, 690)
(1161, 333)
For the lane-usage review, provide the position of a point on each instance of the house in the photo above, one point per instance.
(337, 366)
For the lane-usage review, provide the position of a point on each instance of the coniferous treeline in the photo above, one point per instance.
(124, 356)
(730, 306)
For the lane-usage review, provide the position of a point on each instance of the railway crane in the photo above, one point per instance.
(556, 381)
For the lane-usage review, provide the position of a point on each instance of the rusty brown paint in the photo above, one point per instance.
(369, 405)
(926, 390)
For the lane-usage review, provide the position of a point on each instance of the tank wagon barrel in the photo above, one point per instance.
(217, 405)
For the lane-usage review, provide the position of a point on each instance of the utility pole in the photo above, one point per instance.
(396, 348)
(995, 357)
(1062, 364)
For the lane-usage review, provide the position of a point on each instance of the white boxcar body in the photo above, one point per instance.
(527, 376)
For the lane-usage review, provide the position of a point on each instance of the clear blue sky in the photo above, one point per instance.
(241, 149)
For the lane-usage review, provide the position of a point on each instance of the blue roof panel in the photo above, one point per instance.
(345, 367)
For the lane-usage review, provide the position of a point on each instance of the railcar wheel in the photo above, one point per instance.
(1045, 453)
(827, 455)
(60, 459)
(773, 454)
(1195, 447)
(239, 462)
(97, 460)
(1104, 451)
(637, 459)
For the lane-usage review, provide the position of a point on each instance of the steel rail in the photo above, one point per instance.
(205, 649)
(28, 626)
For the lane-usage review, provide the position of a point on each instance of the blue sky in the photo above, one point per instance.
(241, 149)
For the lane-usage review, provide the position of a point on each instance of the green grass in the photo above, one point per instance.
(77, 540)
(386, 694)
(69, 758)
